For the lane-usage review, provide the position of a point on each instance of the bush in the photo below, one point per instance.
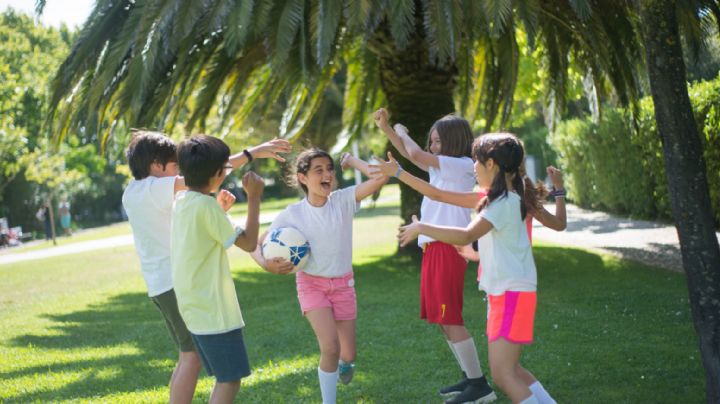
(617, 165)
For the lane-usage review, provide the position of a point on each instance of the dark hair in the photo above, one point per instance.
(200, 158)
(146, 148)
(507, 152)
(302, 165)
(534, 193)
(456, 137)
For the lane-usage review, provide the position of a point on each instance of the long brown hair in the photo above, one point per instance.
(456, 136)
(508, 153)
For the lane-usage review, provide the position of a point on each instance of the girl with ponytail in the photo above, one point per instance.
(509, 276)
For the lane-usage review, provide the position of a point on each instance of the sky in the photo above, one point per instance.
(71, 12)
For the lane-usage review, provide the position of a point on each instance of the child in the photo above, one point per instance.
(442, 280)
(201, 232)
(509, 276)
(325, 287)
(148, 202)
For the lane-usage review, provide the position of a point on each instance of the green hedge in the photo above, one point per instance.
(618, 166)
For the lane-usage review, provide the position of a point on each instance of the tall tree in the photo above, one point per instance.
(154, 62)
(686, 174)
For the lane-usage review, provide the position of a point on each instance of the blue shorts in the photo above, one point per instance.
(223, 355)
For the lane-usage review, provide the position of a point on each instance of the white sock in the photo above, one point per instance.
(530, 400)
(468, 356)
(328, 386)
(457, 358)
(541, 394)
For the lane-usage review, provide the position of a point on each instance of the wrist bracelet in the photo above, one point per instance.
(558, 193)
(399, 170)
(248, 155)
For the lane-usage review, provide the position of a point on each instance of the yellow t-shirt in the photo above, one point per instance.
(201, 232)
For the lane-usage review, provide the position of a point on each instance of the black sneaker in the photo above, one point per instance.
(457, 388)
(477, 391)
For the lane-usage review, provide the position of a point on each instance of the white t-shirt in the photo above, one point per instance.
(148, 203)
(328, 229)
(505, 251)
(453, 174)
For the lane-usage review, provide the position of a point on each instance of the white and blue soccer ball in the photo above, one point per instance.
(287, 243)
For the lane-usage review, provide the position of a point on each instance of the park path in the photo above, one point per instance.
(648, 242)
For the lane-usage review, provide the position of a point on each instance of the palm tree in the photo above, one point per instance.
(154, 62)
(159, 62)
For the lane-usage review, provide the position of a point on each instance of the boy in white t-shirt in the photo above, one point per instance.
(148, 203)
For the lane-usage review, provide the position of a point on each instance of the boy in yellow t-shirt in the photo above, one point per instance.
(201, 232)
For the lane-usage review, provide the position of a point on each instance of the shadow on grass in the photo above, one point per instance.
(600, 322)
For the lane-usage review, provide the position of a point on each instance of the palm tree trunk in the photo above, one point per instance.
(687, 182)
(418, 93)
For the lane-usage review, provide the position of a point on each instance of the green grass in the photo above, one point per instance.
(80, 328)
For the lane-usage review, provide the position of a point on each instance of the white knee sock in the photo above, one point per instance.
(328, 385)
(457, 358)
(541, 394)
(530, 400)
(468, 357)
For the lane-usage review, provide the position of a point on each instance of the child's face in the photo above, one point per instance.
(320, 178)
(435, 144)
(484, 173)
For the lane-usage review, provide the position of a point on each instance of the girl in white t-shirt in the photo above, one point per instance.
(325, 287)
(442, 280)
(509, 276)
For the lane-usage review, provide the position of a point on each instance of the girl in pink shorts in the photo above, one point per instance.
(509, 275)
(325, 287)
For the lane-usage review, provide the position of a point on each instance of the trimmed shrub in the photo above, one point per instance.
(617, 165)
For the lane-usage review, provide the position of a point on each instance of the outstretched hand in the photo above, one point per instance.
(271, 149)
(384, 168)
(225, 199)
(409, 232)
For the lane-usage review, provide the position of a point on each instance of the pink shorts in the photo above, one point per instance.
(511, 316)
(315, 292)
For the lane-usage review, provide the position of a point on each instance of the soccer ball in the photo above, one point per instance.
(288, 243)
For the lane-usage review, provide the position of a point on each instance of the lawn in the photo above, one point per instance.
(80, 328)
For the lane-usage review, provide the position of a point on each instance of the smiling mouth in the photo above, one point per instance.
(326, 185)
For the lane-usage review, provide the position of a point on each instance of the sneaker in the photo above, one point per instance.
(345, 372)
(477, 391)
(457, 388)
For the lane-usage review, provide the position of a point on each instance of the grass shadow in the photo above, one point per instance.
(600, 322)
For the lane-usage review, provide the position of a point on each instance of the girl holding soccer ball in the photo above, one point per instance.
(325, 287)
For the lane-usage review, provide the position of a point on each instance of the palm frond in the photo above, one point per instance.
(401, 19)
(328, 19)
(291, 18)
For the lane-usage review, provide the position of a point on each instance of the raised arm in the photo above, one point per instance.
(392, 168)
(253, 186)
(400, 139)
(558, 221)
(349, 161)
(451, 235)
(265, 150)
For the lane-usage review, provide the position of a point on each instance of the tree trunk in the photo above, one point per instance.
(687, 182)
(418, 93)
